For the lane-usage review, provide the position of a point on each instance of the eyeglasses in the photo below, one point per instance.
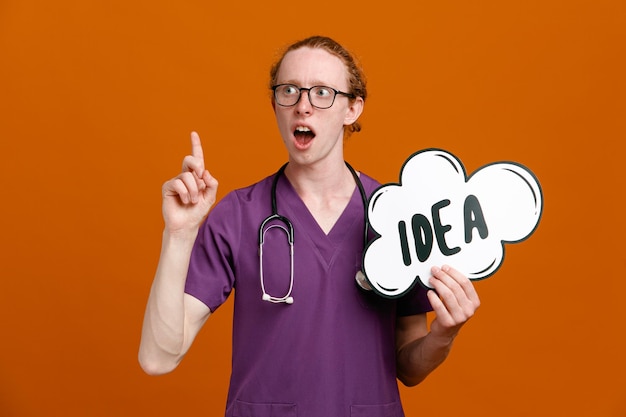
(320, 96)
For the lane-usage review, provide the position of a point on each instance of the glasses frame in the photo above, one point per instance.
(308, 90)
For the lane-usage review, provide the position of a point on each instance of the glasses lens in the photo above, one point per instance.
(287, 94)
(322, 97)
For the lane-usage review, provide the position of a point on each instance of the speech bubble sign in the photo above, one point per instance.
(438, 215)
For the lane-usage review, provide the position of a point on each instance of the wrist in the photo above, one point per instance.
(180, 236)
(440, 339)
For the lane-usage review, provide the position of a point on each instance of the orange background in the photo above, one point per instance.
(97, 100)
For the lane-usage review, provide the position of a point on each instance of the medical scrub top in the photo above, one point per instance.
(332, 352)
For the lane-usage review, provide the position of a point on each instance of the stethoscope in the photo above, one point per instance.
(283, 223)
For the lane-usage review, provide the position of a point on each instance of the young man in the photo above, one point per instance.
(307, 340)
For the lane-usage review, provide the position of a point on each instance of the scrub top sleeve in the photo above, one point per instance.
(414, 302)
(211, 274)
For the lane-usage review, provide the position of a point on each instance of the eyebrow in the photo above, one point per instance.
(313, 84)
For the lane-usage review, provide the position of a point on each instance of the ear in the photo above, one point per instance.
(354, 111)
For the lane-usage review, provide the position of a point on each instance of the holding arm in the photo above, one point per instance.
(173, 318)
(418, 351)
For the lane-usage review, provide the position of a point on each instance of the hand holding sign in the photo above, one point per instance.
(436, 215)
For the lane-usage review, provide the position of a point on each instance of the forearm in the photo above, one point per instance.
(418, 359)
(419, 352)
(163, 338)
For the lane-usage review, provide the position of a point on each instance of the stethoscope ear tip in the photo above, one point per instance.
(286, 300)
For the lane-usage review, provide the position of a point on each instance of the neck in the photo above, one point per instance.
(321, 179)
(326, 192)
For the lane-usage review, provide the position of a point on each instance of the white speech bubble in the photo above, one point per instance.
(437, 215)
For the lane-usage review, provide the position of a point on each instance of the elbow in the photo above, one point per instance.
(155, 367)
(408, 381)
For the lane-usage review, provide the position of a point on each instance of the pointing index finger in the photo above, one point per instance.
(196, 148)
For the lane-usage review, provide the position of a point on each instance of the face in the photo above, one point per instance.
(310, 134)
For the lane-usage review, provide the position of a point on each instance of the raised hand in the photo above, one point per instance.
(188, 197)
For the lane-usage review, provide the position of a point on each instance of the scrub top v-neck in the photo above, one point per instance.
(307, 227)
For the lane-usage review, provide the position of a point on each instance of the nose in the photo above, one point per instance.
(304, 106)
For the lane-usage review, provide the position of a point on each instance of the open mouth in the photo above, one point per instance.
(303, 135)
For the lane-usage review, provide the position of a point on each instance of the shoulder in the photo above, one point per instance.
(369, 184)
(244, 202)
(248, 194)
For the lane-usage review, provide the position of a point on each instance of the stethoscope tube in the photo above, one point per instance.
(287, 227)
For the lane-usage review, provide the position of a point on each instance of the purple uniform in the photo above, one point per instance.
(332, 352)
